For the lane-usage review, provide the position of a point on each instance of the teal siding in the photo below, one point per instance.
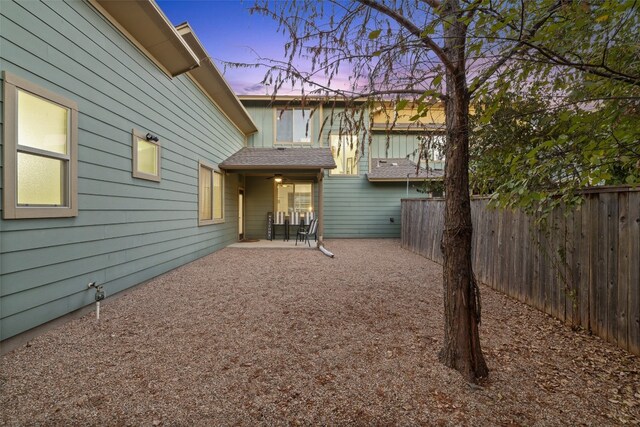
(127, 230)
(394, 146)
(264, 118)
(259, 196)
(357, 208)
(399, 145)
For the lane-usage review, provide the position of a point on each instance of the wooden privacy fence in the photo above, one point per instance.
(582, 268)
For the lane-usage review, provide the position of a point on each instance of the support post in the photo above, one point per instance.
(320, 206)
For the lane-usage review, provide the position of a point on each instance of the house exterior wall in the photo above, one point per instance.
(357, 208)
(265, 118)
(259, 196)
(353, 206)
(394, 145)
(127, 230)
(401, 145)
(435, 114)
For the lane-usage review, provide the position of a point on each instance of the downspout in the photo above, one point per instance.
(408, 184)
(320, 206)
(321, 214)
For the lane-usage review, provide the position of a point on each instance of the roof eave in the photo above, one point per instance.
(148, 28)
(308, 99)
(211, 80)
(275, 167)
(412, 128)
(411, 179)
(213, 83)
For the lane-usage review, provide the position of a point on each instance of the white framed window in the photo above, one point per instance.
(434, 147)
(294, 197)
(210, 194)
(40, 139)
(146, 156)
(344, 150)
(293, 125)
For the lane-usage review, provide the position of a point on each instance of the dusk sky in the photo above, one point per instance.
(229, 33)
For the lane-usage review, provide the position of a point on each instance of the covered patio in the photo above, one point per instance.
(281, 186)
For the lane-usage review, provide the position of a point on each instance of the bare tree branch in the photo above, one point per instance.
(433, 3)
(600, 70)
(519, 47)
(413, 29)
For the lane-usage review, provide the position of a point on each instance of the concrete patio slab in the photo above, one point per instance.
(273, 244)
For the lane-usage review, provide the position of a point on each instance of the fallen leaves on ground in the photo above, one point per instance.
(281, 337)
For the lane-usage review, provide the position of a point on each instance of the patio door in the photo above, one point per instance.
(240, 214)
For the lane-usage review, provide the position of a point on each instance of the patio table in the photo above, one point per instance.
(286, 230)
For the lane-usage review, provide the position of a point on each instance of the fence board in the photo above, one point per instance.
(611, 201)
(570, 306)
(602, 267)
(593, 262)
(493, 257)
(633, 334)
(478, 241)
(497, 271)
(535, 239)
(544, 272)
(585, 270)
(508, 249)
(512, 257)
(623, 270)
(561, 260)
(527, 264)
(552, 258)
(518, 256)
(485, 225)
(578, 260)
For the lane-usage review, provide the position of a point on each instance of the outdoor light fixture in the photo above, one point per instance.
(151, 137)
(277, 178)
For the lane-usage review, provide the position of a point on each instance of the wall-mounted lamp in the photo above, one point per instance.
(277, 178)
(151, 137)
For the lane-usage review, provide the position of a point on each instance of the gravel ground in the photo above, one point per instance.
(276, 337)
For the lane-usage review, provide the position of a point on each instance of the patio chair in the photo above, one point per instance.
(303, 234)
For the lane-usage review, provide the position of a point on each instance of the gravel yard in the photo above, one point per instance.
(280, 337)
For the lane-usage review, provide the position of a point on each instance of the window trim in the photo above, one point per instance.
(214, 169)
(135, 136)
(358, 158)
(275, 127)
(432, 159)
(10, 209)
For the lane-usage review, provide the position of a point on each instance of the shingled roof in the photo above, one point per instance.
(399, 169)
(249, 158)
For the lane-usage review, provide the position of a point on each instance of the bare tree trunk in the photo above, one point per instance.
(461, 349)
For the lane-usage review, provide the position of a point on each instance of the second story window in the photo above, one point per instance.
(345, 153)
(293, 125)
(434, 150)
